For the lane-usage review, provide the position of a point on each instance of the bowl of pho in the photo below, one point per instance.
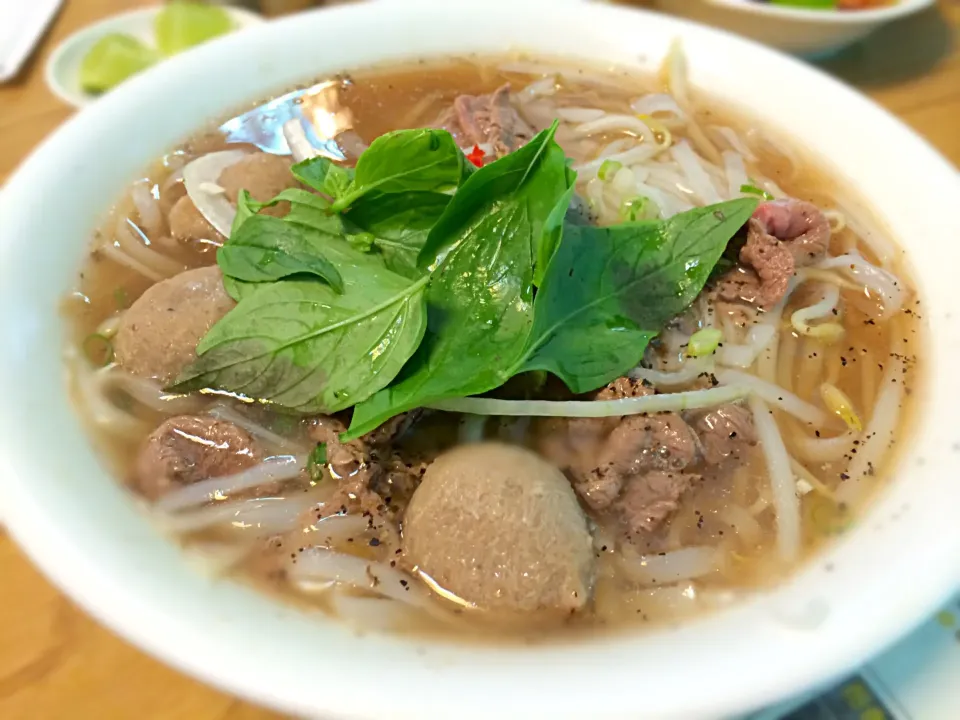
(499, 359)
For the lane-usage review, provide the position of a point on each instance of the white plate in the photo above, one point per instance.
(63, 68)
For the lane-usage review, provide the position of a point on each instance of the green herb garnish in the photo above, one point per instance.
(98, 349)
(415, 278)
(754, 190)
(317, 461)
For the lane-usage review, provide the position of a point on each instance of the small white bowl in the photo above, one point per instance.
(62, 72)
(795, 30)
(895, 567)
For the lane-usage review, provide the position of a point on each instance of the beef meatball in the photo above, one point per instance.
(158, 336)
(500, 528)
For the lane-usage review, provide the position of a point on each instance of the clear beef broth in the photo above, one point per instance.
(728, 508)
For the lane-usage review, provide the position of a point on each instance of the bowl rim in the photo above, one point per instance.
(183, 628)
(887, 13)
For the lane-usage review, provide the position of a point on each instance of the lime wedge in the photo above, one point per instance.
(181, 25)
(113, 59)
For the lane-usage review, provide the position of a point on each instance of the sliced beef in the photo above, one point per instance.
(649, 499)
(628, 450)
(482, 119)
(782, 235)
(189, 448)
(370, 472)
(724, 432)
(158, 336)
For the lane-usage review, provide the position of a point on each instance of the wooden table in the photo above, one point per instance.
(57, 663)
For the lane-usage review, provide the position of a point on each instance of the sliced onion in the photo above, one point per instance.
(199, 174)
(782, 481)
(297, 141)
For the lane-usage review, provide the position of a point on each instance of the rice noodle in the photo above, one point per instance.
(800, 319)
(579, 114)
(131, 240)
(545, 87)
(617, 123)
(884, 284)
(148, 209)
(660, 104)
(149, 393)
(260, 517)
(689, 371)
(878, 437)
(214, 206)
(339, 529)
(694, 173)
(775, 395)
(815, 483)
(736, 174)
(638, 153)
(274, 469)
(670, 567)
(316, 564)
(824, 449)
(735, 142)
(745, 525)
(666, 402)
(759, 337)
(471, 429)
(95, 403)
(366, 614)
(278, 442)
(782, 481)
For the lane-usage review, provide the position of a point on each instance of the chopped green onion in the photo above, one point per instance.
(754, 190)
(638, 208)
(98, 349)
(317, 461)
(704, 342)
(608, 169)
(121, 298)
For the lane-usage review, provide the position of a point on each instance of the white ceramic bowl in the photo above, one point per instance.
(62, 71)
(796, 30)
(84, 532)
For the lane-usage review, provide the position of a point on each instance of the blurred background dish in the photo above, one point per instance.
(98, 57)
(809, 31)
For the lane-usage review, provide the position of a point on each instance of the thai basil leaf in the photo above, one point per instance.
(608, 291)
(266, 248)
(306, 208)
(398, 225)
(323, 175)
(553, 230)
(300, 345)
(480, 294)
(424, 160)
